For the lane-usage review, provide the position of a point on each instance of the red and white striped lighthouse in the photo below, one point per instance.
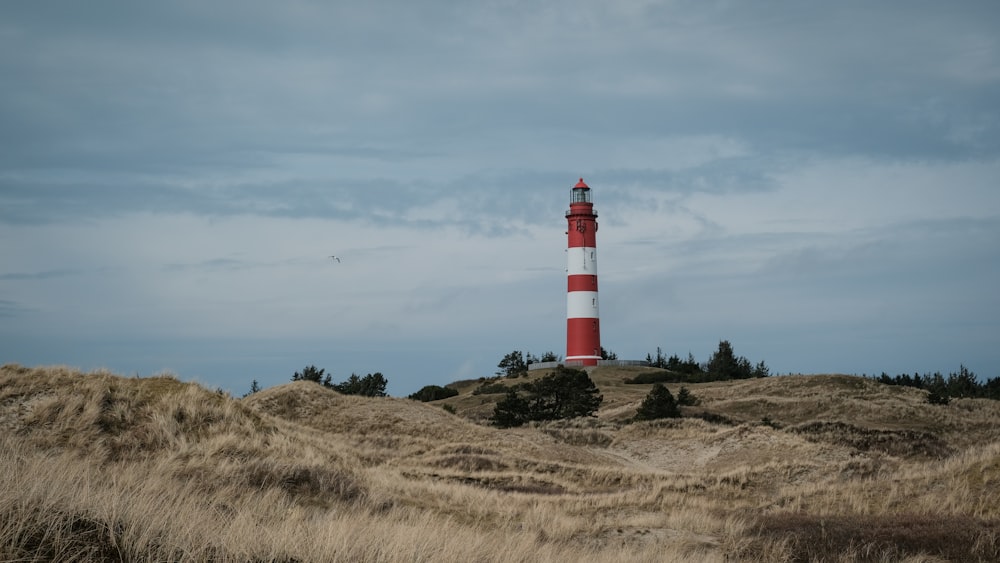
(583, 325)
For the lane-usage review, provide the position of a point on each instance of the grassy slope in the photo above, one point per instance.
(99, 466)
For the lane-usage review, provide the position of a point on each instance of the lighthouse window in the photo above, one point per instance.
(591, 254)
(581, 196)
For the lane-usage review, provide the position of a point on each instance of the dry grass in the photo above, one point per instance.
(100, 467)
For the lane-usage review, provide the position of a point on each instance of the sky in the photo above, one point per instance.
(816, 182)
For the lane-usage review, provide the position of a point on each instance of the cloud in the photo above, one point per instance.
(13, 309)
(48, 274)
(785, 175)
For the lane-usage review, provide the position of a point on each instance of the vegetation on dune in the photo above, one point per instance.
(96, 466)
(371, 385)
(566, 393)
(660, 403)
(723, 365)
(515, 363)
(429, 393)
(960, 384)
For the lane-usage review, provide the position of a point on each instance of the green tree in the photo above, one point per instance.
(512, 365)
(312, 373)
(659, 403)
(371, 385)
(963, 383)
(689, 366)
(566, 393)
(936, 398)
(550, 356)
(433, 393)
(511, 411)
(660, 361)
(254, 387)
(608, 354)
(724, 364)
(686, 398)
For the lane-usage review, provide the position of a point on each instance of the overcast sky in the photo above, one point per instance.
(816, 182)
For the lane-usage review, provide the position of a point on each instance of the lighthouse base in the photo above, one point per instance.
(582, 360)
(600, 363)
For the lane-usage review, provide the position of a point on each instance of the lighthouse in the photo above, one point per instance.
(583, 326)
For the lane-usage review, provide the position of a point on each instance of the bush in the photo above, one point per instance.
(686, 398)
(433, 393)
(689, 366)
(724, 364)
(513, 365)
(659, 403)
(490, 388)
(936, 398)
(964, 383)
(566, 393)
(314, 374)
(655, 377)
(371, 385)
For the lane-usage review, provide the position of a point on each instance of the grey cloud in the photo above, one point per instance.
(919, 252)
(213, 264)
(43, 275)
(213, 86)
(13, 309)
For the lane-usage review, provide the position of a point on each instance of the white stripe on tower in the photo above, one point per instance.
(583, 328)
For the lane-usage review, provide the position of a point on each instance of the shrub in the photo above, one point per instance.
(371, 385)
(724, 364)
(314, 374)
(513, 364)
(655, 377)
(566, 393)
(686, 398)
(936, 398)
(659, 403)
(433, 393)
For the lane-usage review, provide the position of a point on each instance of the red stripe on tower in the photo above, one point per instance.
(583, 325)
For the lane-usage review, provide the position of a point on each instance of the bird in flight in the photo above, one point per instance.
(335, 258)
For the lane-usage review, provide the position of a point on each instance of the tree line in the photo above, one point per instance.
(722, 365)
(570, 393)
(371, 385)
(962, 383)
(515, 364)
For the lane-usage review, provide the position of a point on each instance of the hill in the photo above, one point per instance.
(826, 467)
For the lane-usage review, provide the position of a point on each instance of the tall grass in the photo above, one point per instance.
(100, 467)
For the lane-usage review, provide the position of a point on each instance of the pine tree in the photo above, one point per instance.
(371, 385)
(254, 387)
(566, 393)
(510, 411)
(659, 403)
(310, 373)
(685, 397)
(512, 365)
